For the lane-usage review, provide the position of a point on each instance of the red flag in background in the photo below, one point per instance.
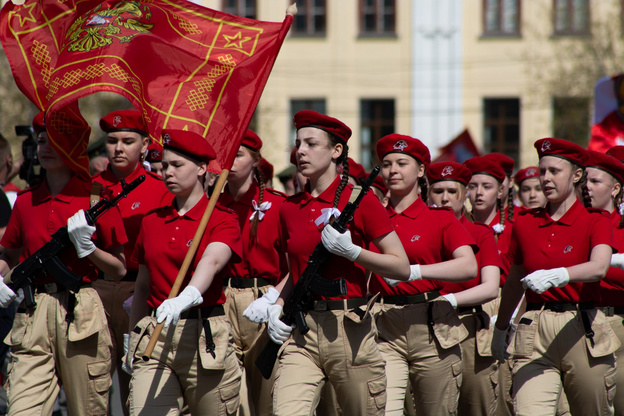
(460, 149)
(185, 66)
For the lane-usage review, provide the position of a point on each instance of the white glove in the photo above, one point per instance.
(127, 305)
(541, 280)
(258, 310)
(80, 233)
(7, 296)
(127, 364)
(278, 330)
(340, 244)
(414, 275)
(451, 299)
(500, 344)
(617, 260)
(170, 310)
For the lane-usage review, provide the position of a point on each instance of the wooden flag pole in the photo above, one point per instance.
(190, 254)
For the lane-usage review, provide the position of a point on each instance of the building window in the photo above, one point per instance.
(314, 104)
(501, 126)
(377, 17)
(501, 17)
(571, 119)
(377, 118)
(310, 19)
(571, 17)
(244, 8)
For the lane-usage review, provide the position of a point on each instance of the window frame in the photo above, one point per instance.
(499, 31)
(379, 13)
(499, 144)
(307, 8)
(376, 126)
(241, 7)
(569, 29)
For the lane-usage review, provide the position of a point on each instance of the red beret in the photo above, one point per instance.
(190, 144)
(486, 166)
(505, 161)
(356, 170)
(333, 126)
(399, 143)
(124, 120)
(564, 149)
(617, 152)
(154, 152)
(379, 184)
(265, 168)
(38, 123)
(448, 171)
(526, 173)
(252, 141)
(606, 163)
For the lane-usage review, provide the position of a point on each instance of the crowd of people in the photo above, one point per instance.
(473, 288)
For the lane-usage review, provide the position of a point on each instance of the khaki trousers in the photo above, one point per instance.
(339, 347)
(550, 350)
(182, 372)
(248, 344)
(429, 355)
(617, 324)
(478, 394)
(113, 295)
(47, 352)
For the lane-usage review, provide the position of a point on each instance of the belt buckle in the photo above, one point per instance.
(50, 288)
(320, 305)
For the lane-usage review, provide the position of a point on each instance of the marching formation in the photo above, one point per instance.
(431, 289)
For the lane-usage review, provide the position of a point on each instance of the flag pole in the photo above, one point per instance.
(190, 254)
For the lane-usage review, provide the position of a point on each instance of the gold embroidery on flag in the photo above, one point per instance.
(197, 99)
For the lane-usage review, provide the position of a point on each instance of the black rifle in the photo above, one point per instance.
(29, 151)
(45, 261)
(298, 301)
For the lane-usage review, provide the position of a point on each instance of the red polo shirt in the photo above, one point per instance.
(486, 256)
(149, 195)
(539, 242)
(37, 215)
(502, 243)
(299, 234)
(612, 286)
(429, 235)
(261, 258)
(165, 238)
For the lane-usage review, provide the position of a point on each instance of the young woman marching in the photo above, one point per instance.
(559, 254)
(605, 176)
(194, 362)
(478, 395)
(418, 337)
(529, 188)
(261, 267)
(340, 346)
(64, 340)
(507, 198)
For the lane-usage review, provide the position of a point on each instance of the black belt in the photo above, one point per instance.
(560, 306)
(613, 310)
(246, 283)
(338, 305)
(410, 299)
(51, 288)
(131, 276)
(198, 313)
(466, 310)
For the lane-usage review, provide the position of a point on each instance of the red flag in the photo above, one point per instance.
(460, 149)
(185, 66)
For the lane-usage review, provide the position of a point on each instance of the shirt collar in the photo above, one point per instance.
(109, 176)
(568, 218)
(410, 212)
(194, 213)
(75, 187)
(253, 193)
(326, 196)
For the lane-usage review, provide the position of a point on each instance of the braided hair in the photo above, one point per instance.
(424, 188)
(253, 230)
(344, 160)
(582, 184)
(510, 204)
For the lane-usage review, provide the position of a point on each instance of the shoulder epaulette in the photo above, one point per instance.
(276, 192)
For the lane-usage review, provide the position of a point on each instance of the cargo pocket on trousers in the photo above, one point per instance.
(140, 336)
(447, 327)
(359, 340)
(214, 341)
(603, 340)
(229, 395)
(610, 379)
(525, 336)
(20, 324)
(453, 394)
(89, 315)
(99, 384)
(377, 395)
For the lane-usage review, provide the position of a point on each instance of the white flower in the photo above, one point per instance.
(326, 214)
(498, 228)
(259, 210)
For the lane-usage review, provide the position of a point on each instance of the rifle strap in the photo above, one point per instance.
(96, 190)
(355, 192)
